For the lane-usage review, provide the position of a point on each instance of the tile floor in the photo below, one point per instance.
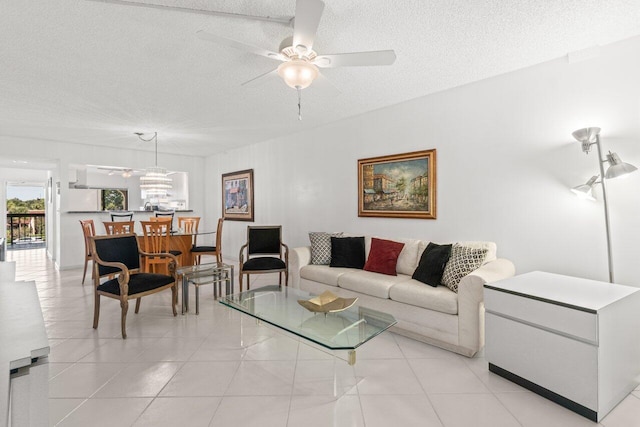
(222, 369)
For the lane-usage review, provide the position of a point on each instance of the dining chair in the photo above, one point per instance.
(156, 240)
(118, 227)
(120, 255)
(121, 216)
(166, 214)
(88, 230)
(264, 254)
(198, 251)
(168, 220)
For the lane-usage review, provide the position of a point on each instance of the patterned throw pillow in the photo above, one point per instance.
(321, 247)
(463, 261)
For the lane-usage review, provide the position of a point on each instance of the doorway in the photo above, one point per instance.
(26, 216)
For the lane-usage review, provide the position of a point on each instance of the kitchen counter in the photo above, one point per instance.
(134, 211)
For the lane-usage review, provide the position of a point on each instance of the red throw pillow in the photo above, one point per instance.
(383, 256)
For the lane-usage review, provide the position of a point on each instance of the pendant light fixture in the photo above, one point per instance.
(155, 181)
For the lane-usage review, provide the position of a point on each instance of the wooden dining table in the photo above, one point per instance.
(180, 241)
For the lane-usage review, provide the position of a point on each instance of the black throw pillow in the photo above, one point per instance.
(347, 252)
(432, 263)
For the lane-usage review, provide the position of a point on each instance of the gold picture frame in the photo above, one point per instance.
(398, 186)
(237, 196)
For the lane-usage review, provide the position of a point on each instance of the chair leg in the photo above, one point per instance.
(138, 304)
(174, 297)
(248, 282)
(96, 311)
(280, 278)
(84, 273)
(124, 304)
(286, 278)
(240, 280)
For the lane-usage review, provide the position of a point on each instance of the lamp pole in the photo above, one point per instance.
(603, 182)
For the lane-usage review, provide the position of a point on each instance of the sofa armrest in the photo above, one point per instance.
(298, 258)
(471, 298)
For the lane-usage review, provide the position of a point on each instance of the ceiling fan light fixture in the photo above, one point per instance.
(298, 73)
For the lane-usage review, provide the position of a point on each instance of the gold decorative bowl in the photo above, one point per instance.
(327, 302)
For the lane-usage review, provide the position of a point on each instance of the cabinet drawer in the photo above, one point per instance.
(563, 365)
(563, 320)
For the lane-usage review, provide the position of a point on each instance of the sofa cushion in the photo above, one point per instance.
(323, 274)
(412, 292)
(463, 261)
(369, 283)
(432, 264)
(321, 247)
(383, 256)
(347, 252)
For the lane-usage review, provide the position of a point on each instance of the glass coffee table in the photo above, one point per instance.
(343, 330)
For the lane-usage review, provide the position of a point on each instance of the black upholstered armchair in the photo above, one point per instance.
(265, 253)
(117, 274)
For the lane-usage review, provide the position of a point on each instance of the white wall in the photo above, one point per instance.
(69, 247)
(506, 160)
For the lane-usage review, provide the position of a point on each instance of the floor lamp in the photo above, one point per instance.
(590, 137)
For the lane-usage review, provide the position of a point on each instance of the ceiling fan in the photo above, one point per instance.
(299, 62)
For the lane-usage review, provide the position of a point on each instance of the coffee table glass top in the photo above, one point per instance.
(278, 306)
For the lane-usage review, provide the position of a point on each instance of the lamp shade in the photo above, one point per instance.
(298, 73)
(617, 167)
(586, 134)
(585, 191)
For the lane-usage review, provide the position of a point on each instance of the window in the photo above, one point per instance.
(113, 200)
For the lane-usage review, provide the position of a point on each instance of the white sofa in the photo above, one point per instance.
(438, 316)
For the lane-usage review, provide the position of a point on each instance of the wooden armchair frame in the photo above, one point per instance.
(129, 278)
(263, 264)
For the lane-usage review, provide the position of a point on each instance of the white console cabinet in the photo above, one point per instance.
(571, 340)
(24, 347)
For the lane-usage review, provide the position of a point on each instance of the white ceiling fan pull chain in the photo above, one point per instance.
(299, 102)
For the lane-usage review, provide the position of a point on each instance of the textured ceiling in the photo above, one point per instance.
(93, 72)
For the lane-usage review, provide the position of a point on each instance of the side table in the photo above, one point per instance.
(214, 273)
(574, 341)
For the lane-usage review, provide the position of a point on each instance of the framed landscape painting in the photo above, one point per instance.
(237, 195)
(398, 186)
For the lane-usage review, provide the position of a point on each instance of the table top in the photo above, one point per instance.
(585, 294)
(278, 306)
(207, 268)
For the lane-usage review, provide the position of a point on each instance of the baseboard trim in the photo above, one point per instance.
(546, 393)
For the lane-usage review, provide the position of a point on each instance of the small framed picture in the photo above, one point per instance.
(237, 195)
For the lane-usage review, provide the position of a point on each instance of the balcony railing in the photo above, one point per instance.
(25, 230)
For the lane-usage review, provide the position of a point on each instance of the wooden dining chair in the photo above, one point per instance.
(88, 230)
(156, 240)
(166, 214)
(169, 220)
(118, 227)
(189, 225)
(216, 251)
(121, 216)
(117, 274)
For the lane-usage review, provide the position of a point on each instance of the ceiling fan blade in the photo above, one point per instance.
(355, 59)
(305, 25)
(256, 81)
(239, 45)
(284, 20)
